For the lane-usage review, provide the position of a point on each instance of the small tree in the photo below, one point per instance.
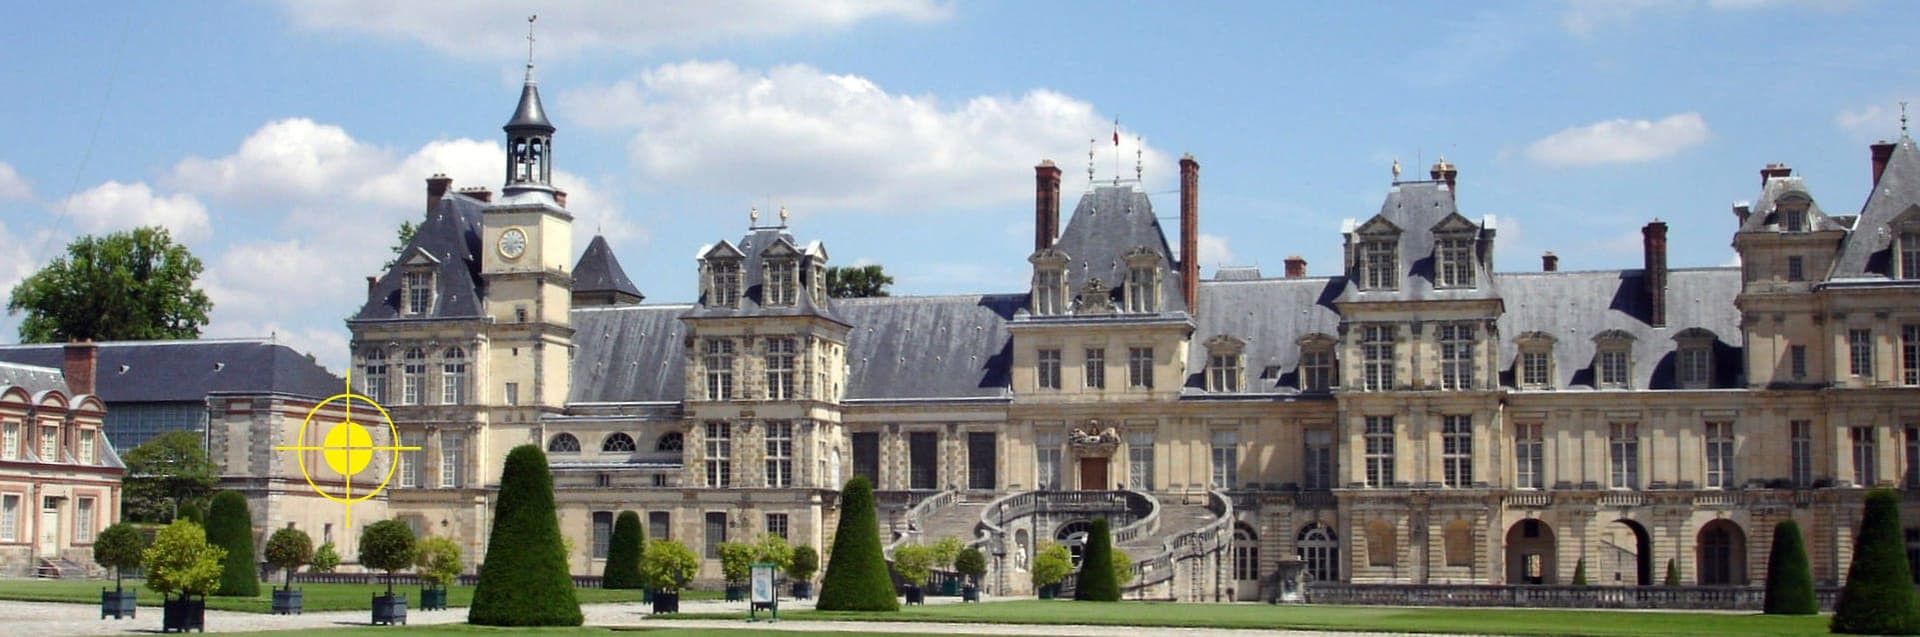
(1051, 565)
(1879, 597)
(774, 550)
(1673, 573)
(914, 563)
(1580, 572)
(181, 561)
(230, 526)
(736, 560)
(326, 558)
(437, 561)
(526, 581)
(387, 545)
(806, 562)
(971, 563)
(666, 565)
(945, 550)
(119, 548)
(1789, 576)
(857, 570)
(623, 553)
(1096, 567)
(1122, 567)
(288, 550)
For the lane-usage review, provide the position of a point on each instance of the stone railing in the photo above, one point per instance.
(1623, 499)
(1718, 499)
(1188, 545)
(1669, 597)
(916, 517)
(1018, 505)
(1535, 499)
(1146, 518)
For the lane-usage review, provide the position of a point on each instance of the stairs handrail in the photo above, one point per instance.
(1198, 542)
(917, 516)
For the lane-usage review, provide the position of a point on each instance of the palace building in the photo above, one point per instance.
(1416, 417)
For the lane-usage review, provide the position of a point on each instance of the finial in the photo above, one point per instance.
(1138, 159)
(1090, 147)
(530, 20)
(753, 216)
(783, 216)
(1903, 117)
(1396, 169)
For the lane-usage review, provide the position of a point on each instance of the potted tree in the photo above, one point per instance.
(388, 546)
(438, 562)
(666, 566)
(736, 562)
(914, 562)
(326, 558)
(118, 548)
(945, 550)
(180, 561)
(1050, 566)
(973, 565)
(806, 562)
(289, 549)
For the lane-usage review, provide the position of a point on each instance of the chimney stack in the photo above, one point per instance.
(1882, 152)
(560, 198)
(79, 359)
(1549, 262)
(1444, 171)
(437, 187)
(1190, 232)
(1296, 267)
(1772, 171)
(371, 281)
(1653, 239)
(1046, 204)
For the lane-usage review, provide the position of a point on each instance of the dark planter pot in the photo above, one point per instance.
(119, 604)
(665, 602)
(433, 599)
(736, 593)
(182, 615)
(646, 596)
(803, 590)
(969, 593)
(287, 602)
(389, 609)
(1049, 591)
(915, 596)
(950, 588)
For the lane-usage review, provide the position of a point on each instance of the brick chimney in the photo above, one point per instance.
(478, 192)
(1653, 239)
(371, 281)
(1882, 152)
(1190, 232)
(1444, 171)
(560, 198)
(1549, 262)
(1296, 267)
(1772, 171)
(78, 361)
(437, 187)
(1046, 204)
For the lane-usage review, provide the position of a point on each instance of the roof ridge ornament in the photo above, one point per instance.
(1903, 118)
(530, 20)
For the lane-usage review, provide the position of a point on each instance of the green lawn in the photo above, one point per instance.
(319, 597)
(1339, 618)
(462, 630)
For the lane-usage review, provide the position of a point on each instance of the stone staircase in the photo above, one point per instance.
(1177, 515)
(60, 569)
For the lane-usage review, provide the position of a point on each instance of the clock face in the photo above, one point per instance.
(513, 243)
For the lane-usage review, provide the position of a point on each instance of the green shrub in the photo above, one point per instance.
(774, 550)
(857, 570)
(230, 526)
(525, 582)
(623, 553)
(945, 550)
(326, 558)
(1096, 567)
(437, 560)
(914, 563)
(1673, 573)
(289, 549)
(119, 548)
(1122, 567)
(1580, 572)
(736, 560)
(666, 565)
(971, 563)
(1789, 576)
(806, 562)
(1879, 597)
(387, 545)
(1051, 565)
(181, 561)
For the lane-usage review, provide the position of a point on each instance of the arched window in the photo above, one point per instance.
(670, 441)
(1320, 549)
(413, 377)
(563, 443)
(1246, 553)
(453, 377)
(618, 442)
(1073, 535)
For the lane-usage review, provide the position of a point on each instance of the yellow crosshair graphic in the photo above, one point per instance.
(347, 448)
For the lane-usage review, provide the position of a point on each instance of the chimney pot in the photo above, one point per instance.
(371, 281)
(1882, 152)
(1549, 262)
(1772, 171)
(1190, 232)
(437, 187)
(1046, 204)
(78, 361)
(1296, 267)
(560, 198)
(478, 192)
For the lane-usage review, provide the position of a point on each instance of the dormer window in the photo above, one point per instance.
(1613, 360)
(818, 281)
(1049, 292)
(1536, 360)
(1456, 263)
(724, 288)
(417, 292)
(1316, 363)
(1694, 356)
(1143, 281)
(1379, 265)
(780, 279)
(1910, 255)
(1225, 366)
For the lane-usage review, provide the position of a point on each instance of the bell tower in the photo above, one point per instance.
(529, 137)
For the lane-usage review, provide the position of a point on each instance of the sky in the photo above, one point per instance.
(284, 141)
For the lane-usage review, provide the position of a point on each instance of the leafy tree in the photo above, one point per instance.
(914, 562)
(857, 281)
(774, 550)
(437, 561)
(326, 558)
(1789, 576)
(526, 581)
(623, 553)
(230, 526)
(166, 474)
(667, 565)
(1673, 573)
(119, 548)
(181, 561)
(1051, 565)
(133, 285)
(1879, 597)
(806, 562)
(971, 563)
(405, 236)
(735, 560)
(289, 549)
(1122, 567)
(857, 570)
(1580, 572)
(944, 551)
(387, 545)
(1097, 583)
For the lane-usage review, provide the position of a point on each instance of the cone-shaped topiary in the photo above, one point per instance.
(857, 576)
(1580, 572)
(525, 580)
(1879, 597)
(1789, 576)
(1673, 573)
(230, 526)
(1096, 583)
(623, 553)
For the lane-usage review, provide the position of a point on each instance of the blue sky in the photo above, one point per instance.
(284, 141)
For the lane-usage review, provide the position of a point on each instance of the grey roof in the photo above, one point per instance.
(1237, 273)
(753, 245)
(1270, 316)
(529, 113)
(1868, 250)
(929, 346)
(634, 353)
(1107, 224)
(599, 271)
(33, 378)
(1415, 207)
(1763, 219)
(1574, 307)
(451, 236)
(177, 371)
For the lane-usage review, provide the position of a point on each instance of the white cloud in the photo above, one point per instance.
(817, 140)
(1621, 141)
(492, 28)
(115, 206)
(13, 187)
(1587, 18)
(1878, 121)
(1214, 251)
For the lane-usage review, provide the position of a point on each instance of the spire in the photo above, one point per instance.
(529, 135)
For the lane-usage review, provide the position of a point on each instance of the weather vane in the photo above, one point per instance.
(1903, 117)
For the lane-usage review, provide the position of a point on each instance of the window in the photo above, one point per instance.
(520, 314)
(1614, 368)
(1379, 451)
(1140, 459)
(1910, 355)
(602, 533)
(1096, 371)
(1534, 368)
(410, 460)
(1246, 554)
(1695, 369)
(1140, 367)
(1048, 292)
(1456, 263)
(10, 517)
(1047, 372)
(49, 444)
(777, 525)
(1865, 470)
(983, 460)
(1223, 373)
(419, 286)
(719, 363)
(1376, 356)
(413, 377)
(1456, 451)
(660, 525)
(1046, 450)
(373, 377)
(10, 441)
(670, 442)
(453, 377)
(87, 437)
(1456, 355)
(1796, 269)
(1316, 369)
(1720, 455)
(1142, 289)
(83, 520)
(1529, 454)
(563, 443)
(782, 282)
(779, 440)
(866, 455)
(1910, 255)
(726, 284)
(1319, 459)
(618, 442)
(1797, 360)
(923, 460)
(1623, 452)
(1320, 549)
(1802, 432)
(1379, 267)
(716, 533)
(1794, 219)
(453, 459)
(1860, 351)
(1226, 459)
(1913, 457)
(719, 455)
(780, 368)
(511, 395)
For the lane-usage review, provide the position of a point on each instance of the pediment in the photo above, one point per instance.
(1909, 218)
(781, 248)
(419, 257)
(1378, 226)
(1454, 224)
(1225, 343)
(723, 250)
(1049, 255)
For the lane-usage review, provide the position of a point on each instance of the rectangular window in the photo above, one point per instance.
(10, 441)
(1226, 459)
(1379, 451)
(1223, 373)
(1623, 451)
(1047, 372)
(660, 525)
(453, 460)
(1046, 450)
(1379, 263)
(1376, 356)
(1910, 355)
(1047, 292)
(1797, 361)
(923, 460)
(1802, 445)
(1796, 269)
(1910, 255)
(602, 533)
(1720, 455)
(1529, 454)
(410, 460)
(1140, 459)
(419, 292)
(866, 456)
(10, 518)
(719, 455)
(983, 460)
(781, 281)
(777, 525)
(719, 362)
(716, 533)
(1096, 372)
(83, 520)
(1695, 368)
(1140, 367)
(1533, 370)
(49, 444)
(1456, 356)
(1319, 460)
(1316, 370)
(1860, 351)
(779, 440)
(1913, 457)
(413, 379)
(1140, 290)
(453, 378)
(512, 394)
(1456, 263)
(1865, 466)
(780, 353)
(1614, 368)
(1456, 451)
(373, 378)
(87, 437)
(726, 284)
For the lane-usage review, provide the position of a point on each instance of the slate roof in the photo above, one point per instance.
(1416, 207)
(599, 271)
(635, 353)
(1763, 219)
(908, 347)
(529, 113)
(1576, 306)
(1108, 223)
(1868, 250)
(33, 378)
(1270, 315)
(753, 245)
(451, 235)
(186, 371)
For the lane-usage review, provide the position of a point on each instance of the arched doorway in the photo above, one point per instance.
(1530, 553)
(1246, 563)
(1627, 550)
(1320, 549)
(1722, 554)
(1073, 535)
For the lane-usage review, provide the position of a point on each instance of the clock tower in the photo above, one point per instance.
(527, 243)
